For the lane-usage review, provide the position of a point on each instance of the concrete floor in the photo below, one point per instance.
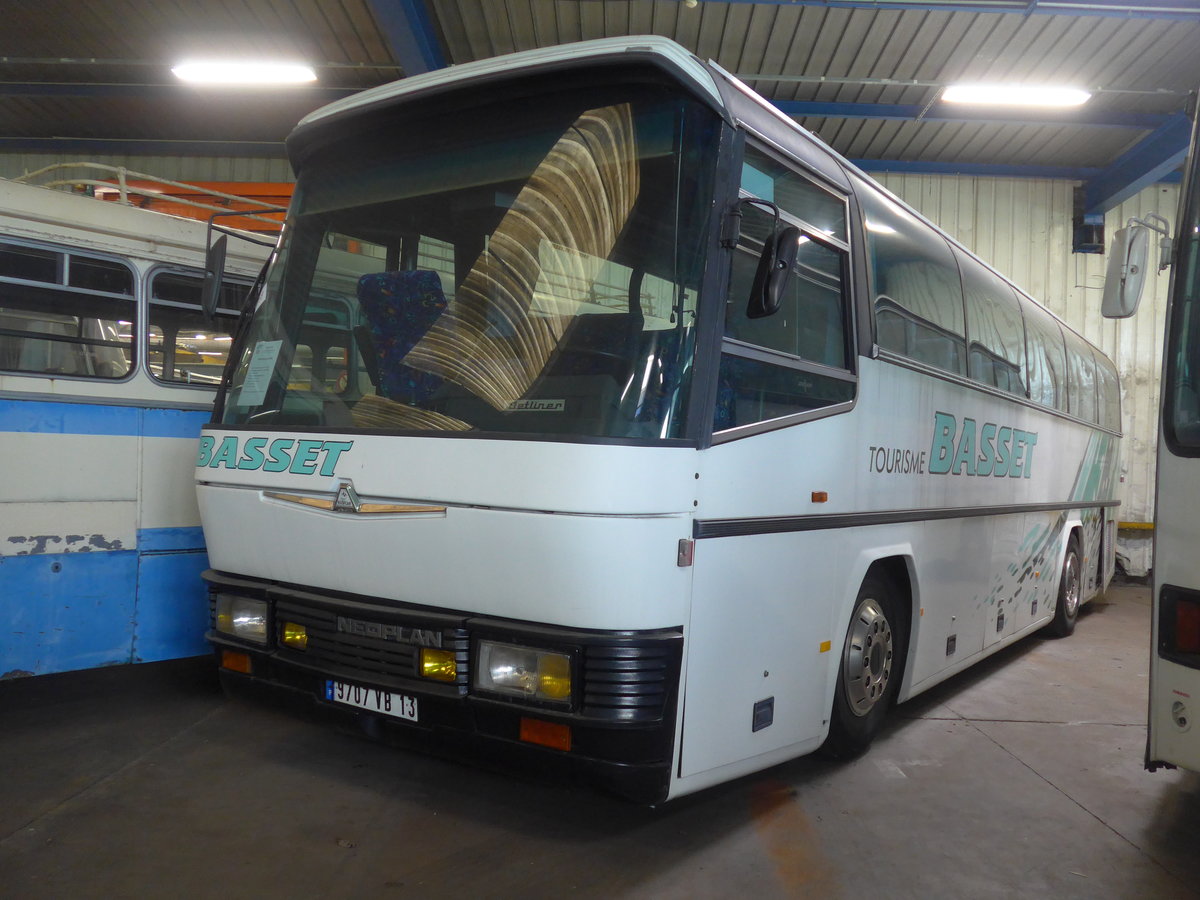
(1020, 778)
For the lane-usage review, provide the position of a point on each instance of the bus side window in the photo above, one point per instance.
(1081, 378)
(1047, 357)
(1109, 390)
(184, 348)
(810, 323)
(769, 179)
(918, 292)
(795, 360)
(62, 313)
(995, 329)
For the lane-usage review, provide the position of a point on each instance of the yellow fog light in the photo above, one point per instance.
(554, 676)
(295, 635)
(440, 665)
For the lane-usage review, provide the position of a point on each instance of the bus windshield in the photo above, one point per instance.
(530, 267)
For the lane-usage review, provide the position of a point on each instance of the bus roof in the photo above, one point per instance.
(659, 50)
(735, 101)
(40, 213)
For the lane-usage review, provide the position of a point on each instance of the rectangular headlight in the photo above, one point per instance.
(242, 617)
(525, 672)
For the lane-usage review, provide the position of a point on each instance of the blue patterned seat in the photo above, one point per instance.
(400, 308)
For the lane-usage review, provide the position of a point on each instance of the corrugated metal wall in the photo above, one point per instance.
(1022, 227)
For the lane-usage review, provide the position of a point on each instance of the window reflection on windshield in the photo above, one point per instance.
(537, 277)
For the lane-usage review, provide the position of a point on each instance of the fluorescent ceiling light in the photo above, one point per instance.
(1015, 95)
(232, 71)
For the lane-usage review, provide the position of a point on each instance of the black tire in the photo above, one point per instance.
(1070, 592)
(870, 669)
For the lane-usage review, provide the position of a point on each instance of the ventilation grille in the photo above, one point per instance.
(377, 660)
(629, 682)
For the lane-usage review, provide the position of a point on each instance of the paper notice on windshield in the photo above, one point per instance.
(258, 375)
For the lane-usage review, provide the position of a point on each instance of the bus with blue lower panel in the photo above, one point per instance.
(108, 369)
(670, 446)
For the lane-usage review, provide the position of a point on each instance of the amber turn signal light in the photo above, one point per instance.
(235, 662)
(548, 734)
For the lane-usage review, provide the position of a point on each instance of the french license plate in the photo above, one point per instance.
(401, 706)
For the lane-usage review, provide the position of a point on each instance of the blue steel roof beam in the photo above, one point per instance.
(320, 95)
(942, 113)
(1179, 10)
(410, 34)
(1152, 160)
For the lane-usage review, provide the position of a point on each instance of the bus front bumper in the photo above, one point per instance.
(616, 732)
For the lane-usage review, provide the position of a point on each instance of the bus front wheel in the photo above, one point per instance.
(869, 671)
(1070, 592)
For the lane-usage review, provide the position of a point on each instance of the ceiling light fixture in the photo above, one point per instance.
(1015, 95)
(243, 72)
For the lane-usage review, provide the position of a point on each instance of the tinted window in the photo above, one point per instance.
(768, 179)
(184, 347)
(751, 390)
(1047, 357)
(100, 275)
(918, 292)
(1109, 389)
(51, 327)
(995, 329)
(777, 365)
(29, 263)
(556, 295)
(810, 323)
(1081, 378)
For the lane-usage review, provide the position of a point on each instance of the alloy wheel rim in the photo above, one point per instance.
(1071, 583)
(867, 657)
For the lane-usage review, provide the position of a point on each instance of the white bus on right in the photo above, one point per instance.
(1174, 736)
(1175, 660)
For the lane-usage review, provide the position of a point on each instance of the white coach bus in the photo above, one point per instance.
(107, 372)
(1175, 653)
(595, 412)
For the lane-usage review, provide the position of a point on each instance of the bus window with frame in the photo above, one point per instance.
(796, 360)
(769, 179)
(1109, 392)
(65, 314)
(184, 347)
(1081, 378)
(918, 291)
(995, 329)
(1047, 358)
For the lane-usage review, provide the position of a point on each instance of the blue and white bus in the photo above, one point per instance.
(107, 371)
(660, 441)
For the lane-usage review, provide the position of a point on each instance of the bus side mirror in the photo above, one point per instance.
(774, 271)
(1129, 264)
(214, 272)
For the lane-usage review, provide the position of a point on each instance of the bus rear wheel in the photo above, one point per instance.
(869, 671)
(1070, 592)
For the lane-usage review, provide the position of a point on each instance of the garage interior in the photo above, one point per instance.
(1022, 776)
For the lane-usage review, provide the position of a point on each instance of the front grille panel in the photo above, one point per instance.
(630, 682)
(631, 679)
(377, 660)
